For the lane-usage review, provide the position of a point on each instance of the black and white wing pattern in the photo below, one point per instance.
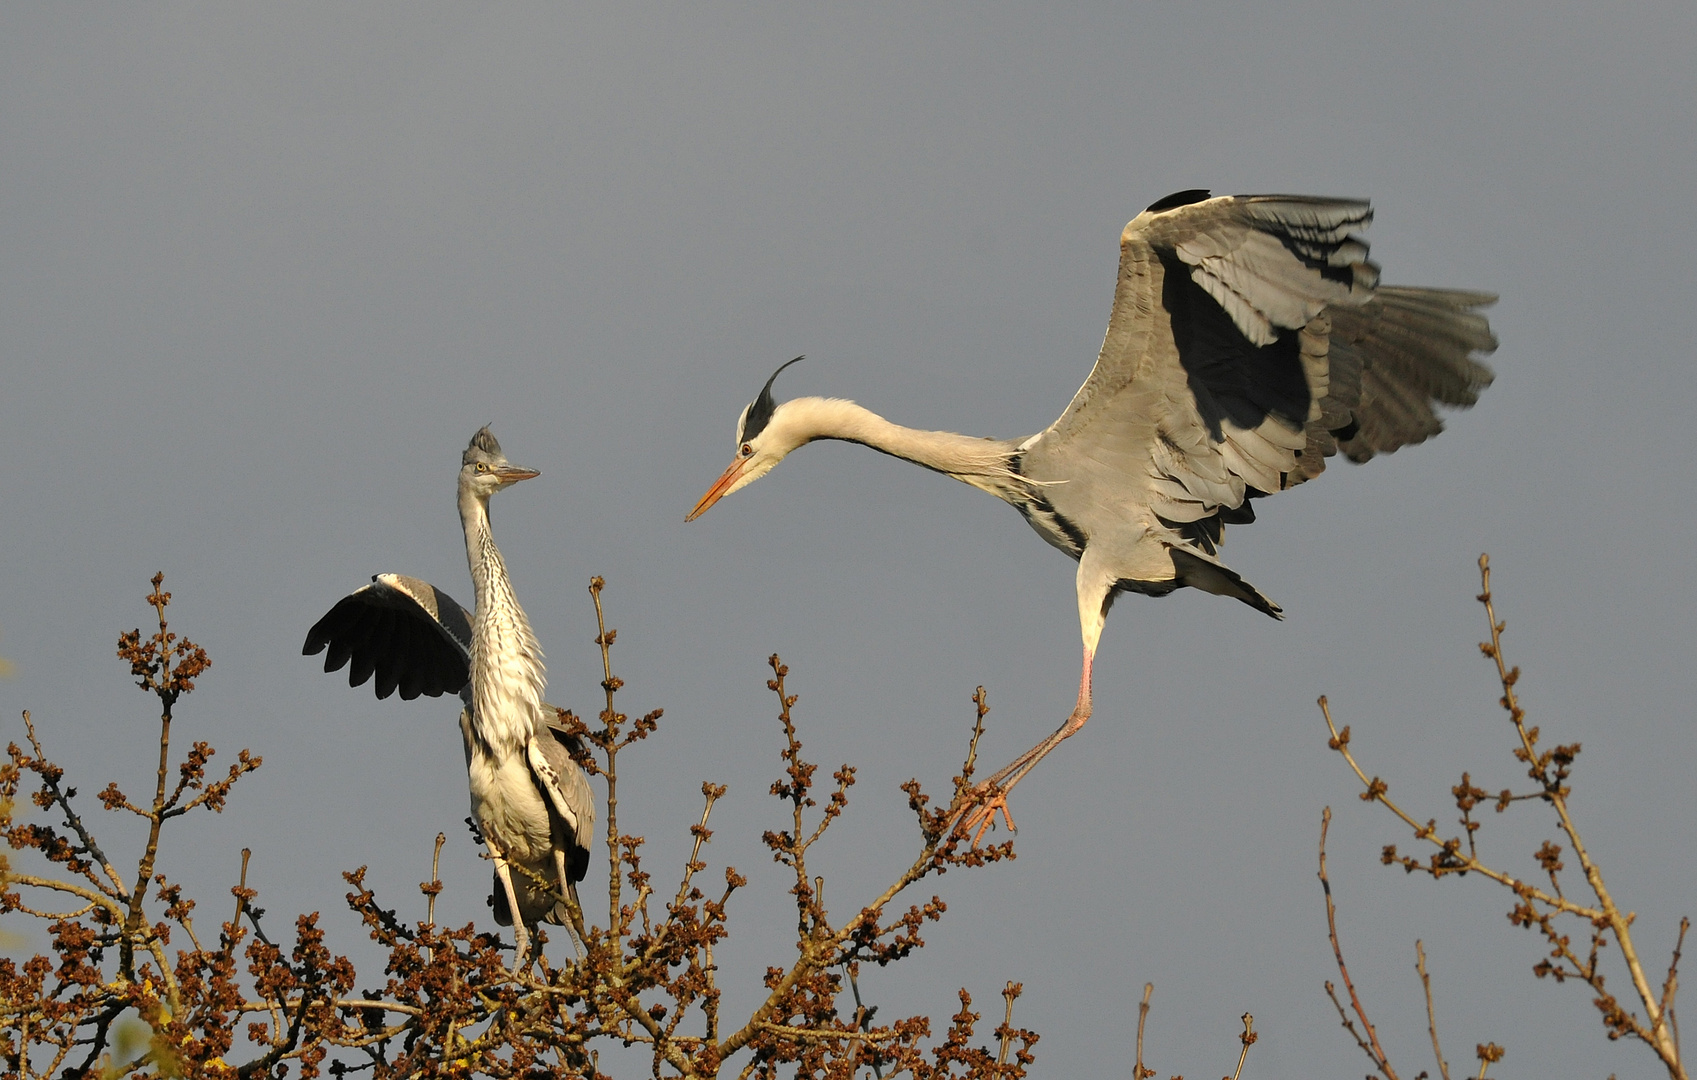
(1250, 339)
(407, 632)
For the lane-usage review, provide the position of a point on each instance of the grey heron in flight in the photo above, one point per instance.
(1249, 341)
(529, 799)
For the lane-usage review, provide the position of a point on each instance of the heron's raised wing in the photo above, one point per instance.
(567, 790)
(409, 633)
(1249, 340)
(1410, 349)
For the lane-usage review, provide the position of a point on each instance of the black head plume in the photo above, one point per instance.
(759, 413)
(483, 448)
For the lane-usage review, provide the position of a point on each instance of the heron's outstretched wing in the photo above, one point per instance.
(1249, 340)
(411, 634)
(1411, 349)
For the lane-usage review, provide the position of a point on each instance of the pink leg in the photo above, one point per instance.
(993, 793)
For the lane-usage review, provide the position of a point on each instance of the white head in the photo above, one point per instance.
(763, 440)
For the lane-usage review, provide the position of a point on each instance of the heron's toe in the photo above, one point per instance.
(977, 819)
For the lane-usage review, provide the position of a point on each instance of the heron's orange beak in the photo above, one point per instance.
(513, 474)
(720, 486)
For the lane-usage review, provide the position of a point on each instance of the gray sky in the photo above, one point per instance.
(267, 269)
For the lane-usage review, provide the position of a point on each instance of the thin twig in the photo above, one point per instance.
(826, 1034)
(1139, 1071)
(1431, 1017)
(1487, 1053)
(1008, 995)
(241, 889)
(435, 879)
(339, 1003)
(1535, 907)
(94, 898)
(1658, 1035)
(1374, 1050)
(1248, 1039)
(825, 947)
(862, 1017)
(51, 916)
(1670, 988)
(608, 718)
(710, 793)
(1463, 864)
(72, 818)
(134, 925)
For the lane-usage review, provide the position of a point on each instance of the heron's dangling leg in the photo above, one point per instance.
(569, 892)
(993, 793)
(1096, 586)
(521, 937)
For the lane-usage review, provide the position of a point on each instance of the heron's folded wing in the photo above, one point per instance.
(1245, 335)
(567, 790)
(407, 632)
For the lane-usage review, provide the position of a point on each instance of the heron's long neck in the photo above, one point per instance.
(983, 463)
(507, 674)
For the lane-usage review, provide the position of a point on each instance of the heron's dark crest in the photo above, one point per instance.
(483, 447)
(759, 414)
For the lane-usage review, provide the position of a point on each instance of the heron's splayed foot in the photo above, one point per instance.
(991, 797)
(979, 815)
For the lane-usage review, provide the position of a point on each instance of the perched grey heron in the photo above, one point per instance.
(1249, 341)
(529, 799)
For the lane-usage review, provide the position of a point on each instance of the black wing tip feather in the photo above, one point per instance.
(319, 637)
(1178, 199)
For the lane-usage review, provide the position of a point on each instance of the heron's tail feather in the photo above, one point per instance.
(498, 895)
(1200, 572)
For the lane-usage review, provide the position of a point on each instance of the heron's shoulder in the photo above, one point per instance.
(1313, 220)
(444, 609)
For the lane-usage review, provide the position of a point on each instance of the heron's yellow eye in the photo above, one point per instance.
(481, 467)
(747, 449)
